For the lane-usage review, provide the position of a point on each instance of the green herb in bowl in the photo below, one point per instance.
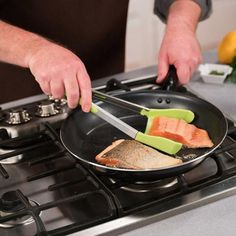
(215, 72)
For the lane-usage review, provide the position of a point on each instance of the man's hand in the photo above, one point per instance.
(58, 72)
(182, 50)
(180, 46)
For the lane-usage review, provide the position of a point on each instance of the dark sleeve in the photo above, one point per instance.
(161, 8)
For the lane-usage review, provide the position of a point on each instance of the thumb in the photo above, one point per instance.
(183, 72)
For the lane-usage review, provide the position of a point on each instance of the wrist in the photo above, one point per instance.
(34, 46)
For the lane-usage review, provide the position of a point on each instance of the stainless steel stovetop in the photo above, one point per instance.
(45, 191)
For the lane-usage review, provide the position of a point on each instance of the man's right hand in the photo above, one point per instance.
(58, 72)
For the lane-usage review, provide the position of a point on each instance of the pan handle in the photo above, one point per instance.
(171, 81)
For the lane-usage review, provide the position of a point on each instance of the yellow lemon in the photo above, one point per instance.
(227, 48)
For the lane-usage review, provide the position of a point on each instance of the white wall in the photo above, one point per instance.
(145, 30)
(142, 38)
(222, 20)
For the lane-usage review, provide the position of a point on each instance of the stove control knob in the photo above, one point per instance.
(16, 117)
(46, 109)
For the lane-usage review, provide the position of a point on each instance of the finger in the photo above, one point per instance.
(72, 91)
(45, 86)
(57, 88)
(85, 89)
(163, 66)
(183, 72)
(193, 64)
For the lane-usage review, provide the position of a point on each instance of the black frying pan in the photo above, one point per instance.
(85, 135)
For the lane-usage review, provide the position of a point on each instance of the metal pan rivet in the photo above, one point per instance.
(159, 100)
(168, 100)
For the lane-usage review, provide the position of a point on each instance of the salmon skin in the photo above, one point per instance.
(131, 154)
(180, 131)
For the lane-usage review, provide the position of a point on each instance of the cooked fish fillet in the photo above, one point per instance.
(131, 154)
(180, 131)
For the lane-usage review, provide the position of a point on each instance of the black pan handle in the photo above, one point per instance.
(171, 81)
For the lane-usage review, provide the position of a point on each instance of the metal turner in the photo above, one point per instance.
(160, 143)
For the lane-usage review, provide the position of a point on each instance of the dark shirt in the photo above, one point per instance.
(161, 8)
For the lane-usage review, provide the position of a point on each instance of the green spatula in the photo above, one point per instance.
(163, 144)
(184, 114)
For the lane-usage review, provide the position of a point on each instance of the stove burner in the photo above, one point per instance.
(46, 109)
(16, 117)
(10, 203)
(148, 186)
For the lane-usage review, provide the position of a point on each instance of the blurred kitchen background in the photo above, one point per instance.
(145, 30)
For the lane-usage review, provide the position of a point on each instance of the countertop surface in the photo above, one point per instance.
(221, 95)
(213, 219)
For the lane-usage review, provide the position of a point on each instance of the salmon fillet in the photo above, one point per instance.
(131, 154)
(179, 130)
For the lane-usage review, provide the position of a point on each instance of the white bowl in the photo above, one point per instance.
(206, 69)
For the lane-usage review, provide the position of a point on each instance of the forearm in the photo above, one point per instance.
(183, 15)
(18, 45)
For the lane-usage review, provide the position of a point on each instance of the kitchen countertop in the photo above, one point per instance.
(216, 218)
(221, 95)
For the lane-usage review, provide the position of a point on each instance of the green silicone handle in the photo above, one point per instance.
(93, 108)
(160, 143)
(184, 114)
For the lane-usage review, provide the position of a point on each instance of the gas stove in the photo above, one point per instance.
(46, 191)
